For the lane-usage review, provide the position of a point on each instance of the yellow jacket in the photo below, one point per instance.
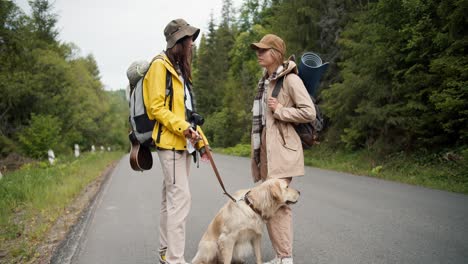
(170, 125)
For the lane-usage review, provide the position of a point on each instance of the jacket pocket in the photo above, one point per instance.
(287, 138)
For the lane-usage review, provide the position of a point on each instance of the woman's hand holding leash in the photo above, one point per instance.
(204, 157)
(194, 137)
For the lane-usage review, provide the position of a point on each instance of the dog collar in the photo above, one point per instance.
(250, 204)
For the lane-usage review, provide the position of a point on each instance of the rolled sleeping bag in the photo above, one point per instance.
(136, 71)
(311, 70)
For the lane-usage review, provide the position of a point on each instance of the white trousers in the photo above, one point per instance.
(175, 203)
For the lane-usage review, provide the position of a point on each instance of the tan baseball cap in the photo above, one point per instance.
(270, 41)
(177, 29)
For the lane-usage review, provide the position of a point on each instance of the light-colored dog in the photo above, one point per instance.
(237, 228)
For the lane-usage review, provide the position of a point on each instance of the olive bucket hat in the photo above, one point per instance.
(177, 29)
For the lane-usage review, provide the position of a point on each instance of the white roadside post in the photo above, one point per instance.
(51, 156)
(102, 148)
(108, 148)
(77, 150)
(1, 176)
(93, 149)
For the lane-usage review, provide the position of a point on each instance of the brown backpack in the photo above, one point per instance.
(308, 132)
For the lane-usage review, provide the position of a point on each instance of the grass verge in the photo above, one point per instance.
(445, 171)
(33, 197)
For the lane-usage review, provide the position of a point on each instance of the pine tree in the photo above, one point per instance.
(44, 20)
(403, 77)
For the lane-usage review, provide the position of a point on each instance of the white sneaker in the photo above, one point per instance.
(280, 261)
(273, 261)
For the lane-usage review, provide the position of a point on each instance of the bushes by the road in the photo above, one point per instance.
(42, 134)
(444, 170)
(242, 150)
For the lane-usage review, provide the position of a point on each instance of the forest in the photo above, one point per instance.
(397, 80)
(52, 96)
(394, 99)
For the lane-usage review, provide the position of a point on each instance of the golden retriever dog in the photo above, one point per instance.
(237, 228)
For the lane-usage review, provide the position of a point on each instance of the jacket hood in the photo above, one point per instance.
(289, 66)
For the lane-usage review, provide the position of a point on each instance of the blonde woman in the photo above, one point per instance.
(276, 147)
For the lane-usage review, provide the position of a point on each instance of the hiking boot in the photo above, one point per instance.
(162, 256)
(287, 260)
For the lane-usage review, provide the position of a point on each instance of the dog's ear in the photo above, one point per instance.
(275, 191)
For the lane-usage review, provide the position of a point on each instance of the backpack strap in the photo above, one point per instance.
(168, 81)
(278, 85)
(274, 94)
(169, 90)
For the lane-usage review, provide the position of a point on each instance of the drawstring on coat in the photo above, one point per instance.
(173, 151)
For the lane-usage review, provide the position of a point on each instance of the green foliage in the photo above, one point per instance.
(227, 71)
(6, 146)
(227, 128)
(302, 16)
(116, 124)
(250, 14)
(39, 76)
(242, 150)
(213, 63)
(441, 170)
(33, 197)
(42, 134)
(244, 72)
(43, 20)
(227, 108)
(404, 77)
(397, 79)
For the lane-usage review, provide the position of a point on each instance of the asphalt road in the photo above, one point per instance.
(340, 218)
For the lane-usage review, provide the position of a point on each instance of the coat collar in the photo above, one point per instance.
(169, 66)
(288, 66)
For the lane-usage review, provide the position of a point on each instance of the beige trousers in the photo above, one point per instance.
(279, 226)
(281, 232)
(175, 204)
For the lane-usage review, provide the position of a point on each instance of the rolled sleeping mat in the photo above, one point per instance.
(136, 71)
(311, 70)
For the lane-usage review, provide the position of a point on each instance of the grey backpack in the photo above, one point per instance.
(141, 125)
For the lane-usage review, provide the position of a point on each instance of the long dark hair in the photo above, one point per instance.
(181, 55)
